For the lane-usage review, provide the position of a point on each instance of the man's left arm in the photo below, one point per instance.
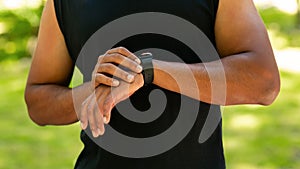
(247, 60)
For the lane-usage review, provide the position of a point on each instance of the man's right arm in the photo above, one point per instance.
(49, 99)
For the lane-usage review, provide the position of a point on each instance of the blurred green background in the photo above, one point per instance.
(255, 137)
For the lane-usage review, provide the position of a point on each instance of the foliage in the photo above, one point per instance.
(255, 137)
(18, 31)
(19, 27)
(298, 13)
(282, 27)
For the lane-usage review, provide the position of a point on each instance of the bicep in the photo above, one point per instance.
(240, 29)
(51, 63)
(247, 56)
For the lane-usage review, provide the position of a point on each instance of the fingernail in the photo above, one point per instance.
(100, 132)
(138, 61)
(139, 68)
(94, 134)
(116, 83)
(130, 77)
(105, 119)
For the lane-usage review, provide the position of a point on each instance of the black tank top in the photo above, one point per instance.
(80, 19)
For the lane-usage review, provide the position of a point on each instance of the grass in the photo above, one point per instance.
(259, 137)
(22, 143)
(255, 137)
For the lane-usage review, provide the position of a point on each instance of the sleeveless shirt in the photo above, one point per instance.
(80, 19)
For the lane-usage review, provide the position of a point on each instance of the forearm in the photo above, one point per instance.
(236, 79)
(50, 104)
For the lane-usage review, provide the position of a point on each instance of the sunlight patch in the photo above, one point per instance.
(288, 6)
(16, 4)
(245, 122)
(245, 166)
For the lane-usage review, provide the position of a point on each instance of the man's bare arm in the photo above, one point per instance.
(48, 98)
(247, 60)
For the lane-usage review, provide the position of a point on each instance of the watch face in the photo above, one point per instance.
(146, 54)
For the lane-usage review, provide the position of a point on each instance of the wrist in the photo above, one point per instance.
(89, 87)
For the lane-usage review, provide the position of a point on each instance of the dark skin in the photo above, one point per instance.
(247, 60)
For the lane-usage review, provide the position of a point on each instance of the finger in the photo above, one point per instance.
(91, 118)
(101, 104)
(122, 61)
(124, 90)
(108, 104)
(94, 74)
(99, 120)
(109, 68)
(83, 114)
(102, 79)
(100, 94)
(125, 52)
(107, 114)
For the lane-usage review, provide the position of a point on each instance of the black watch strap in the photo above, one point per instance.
(146, 59)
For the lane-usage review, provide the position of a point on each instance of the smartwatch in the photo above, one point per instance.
(146, 63)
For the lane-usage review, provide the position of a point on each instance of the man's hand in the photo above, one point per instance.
(116, 77)
(96, 109)
(109, 66)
